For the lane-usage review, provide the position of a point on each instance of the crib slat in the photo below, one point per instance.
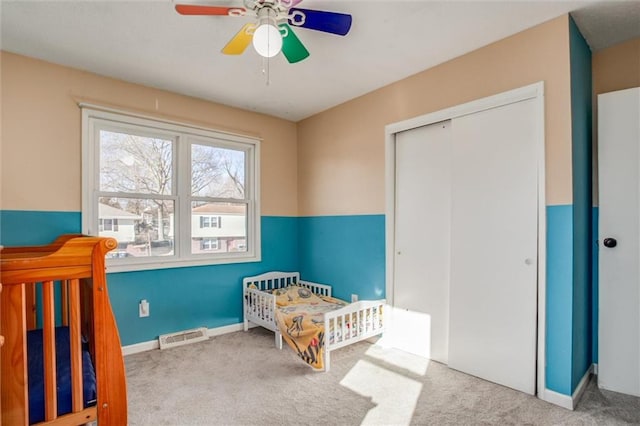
(49, 351)
(64, 296)
(30, 305)
(14, 396)
(76, 353)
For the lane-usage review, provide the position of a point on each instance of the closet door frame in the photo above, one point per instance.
(534, 91)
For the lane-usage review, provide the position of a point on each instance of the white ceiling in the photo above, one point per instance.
(147, 42)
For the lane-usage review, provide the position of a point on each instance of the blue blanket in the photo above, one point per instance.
(63, 362)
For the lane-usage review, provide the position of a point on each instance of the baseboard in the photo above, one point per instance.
(154, 344)
(582, 385)
(559, 399)
(140, 347)
(218, 331)
(566, 401)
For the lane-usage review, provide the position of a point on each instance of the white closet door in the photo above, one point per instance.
(619, 216)
(422, 236)
(494, 245)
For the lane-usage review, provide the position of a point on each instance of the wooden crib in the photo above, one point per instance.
(47, 291)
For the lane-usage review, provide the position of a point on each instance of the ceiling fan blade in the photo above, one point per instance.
(193, 9)
(292, 47)
(240, 41)
(319, 20)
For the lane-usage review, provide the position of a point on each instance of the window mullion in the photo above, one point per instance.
(183, 174)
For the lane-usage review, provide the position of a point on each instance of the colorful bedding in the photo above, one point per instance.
(300, 318)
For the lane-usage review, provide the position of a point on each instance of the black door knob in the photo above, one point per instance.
(610, 242)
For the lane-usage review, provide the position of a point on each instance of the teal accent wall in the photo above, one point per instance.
(559, 315)
(179, 298)
(347, 252)
(581, 87)
(26, 228)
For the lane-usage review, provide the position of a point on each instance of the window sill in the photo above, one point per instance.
(185, 263)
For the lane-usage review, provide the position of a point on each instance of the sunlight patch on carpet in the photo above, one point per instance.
(411, 362)
(409, 331)
(395, 395)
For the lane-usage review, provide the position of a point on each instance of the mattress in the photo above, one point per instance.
(63, 361)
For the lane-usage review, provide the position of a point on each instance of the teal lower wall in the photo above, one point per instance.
(28, 228)
(572, 298)
(559, 317)
(347, 252)
(179, 298)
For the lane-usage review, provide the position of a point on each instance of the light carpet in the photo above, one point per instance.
(242, 379)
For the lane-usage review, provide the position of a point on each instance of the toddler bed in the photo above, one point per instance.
(311, 321)
(61, 359)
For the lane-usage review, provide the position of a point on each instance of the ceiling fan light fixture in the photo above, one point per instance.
(272, 33)
(267, 39)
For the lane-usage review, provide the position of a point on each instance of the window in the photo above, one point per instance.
(108, 225)
(210, 222)
(209, 244)
(170, 194)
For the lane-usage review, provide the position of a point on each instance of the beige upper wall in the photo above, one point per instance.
(41, 133)
(615, 68)
(341, 151)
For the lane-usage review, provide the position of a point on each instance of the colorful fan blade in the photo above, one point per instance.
(329, 22)
(292, 47)
(240, 41)
(192, 9)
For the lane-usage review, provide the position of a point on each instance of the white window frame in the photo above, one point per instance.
(96, 118)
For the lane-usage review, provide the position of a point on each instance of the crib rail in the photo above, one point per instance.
(260, 308)
(356, 321)
(319, 289)
(271, 280)
(76, 265)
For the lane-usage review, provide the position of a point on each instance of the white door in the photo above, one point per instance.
(494, 232)
(422, 235)
(619, 237)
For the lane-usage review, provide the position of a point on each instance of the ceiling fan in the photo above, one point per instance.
(272, 31)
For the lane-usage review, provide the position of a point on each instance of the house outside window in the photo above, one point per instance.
(170, 194)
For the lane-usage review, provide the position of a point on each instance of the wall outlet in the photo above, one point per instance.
(354, 298)
(143, 308)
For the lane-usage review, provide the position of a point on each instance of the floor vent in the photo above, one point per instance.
(180, 338)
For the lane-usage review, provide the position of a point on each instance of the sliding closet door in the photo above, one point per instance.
(422, 235)
(494, 234)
